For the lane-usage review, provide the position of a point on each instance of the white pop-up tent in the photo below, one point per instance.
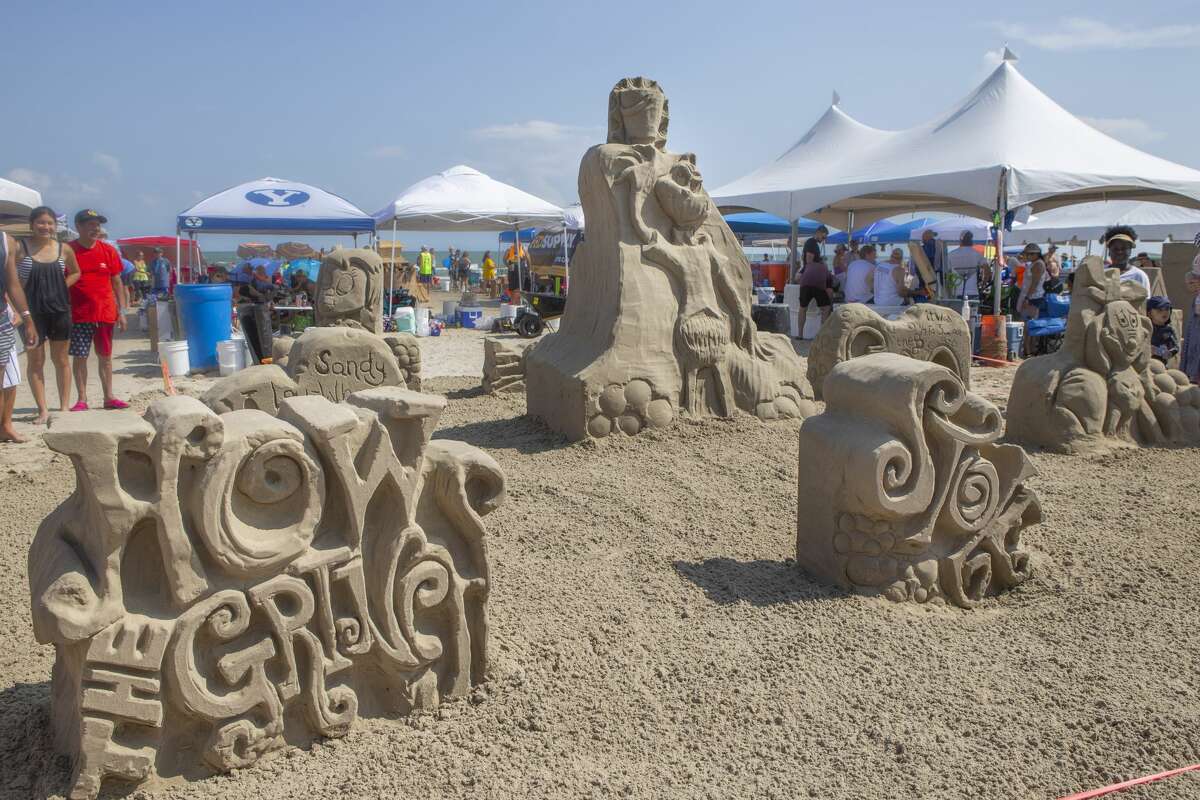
(1087, 222)
(464, 199)
(16, 201)
(273, 206)
(1006, 145)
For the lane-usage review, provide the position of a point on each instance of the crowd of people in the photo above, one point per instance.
(857, 274)
(67, 299)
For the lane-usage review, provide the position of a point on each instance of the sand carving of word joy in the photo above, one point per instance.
(658, 322)
(220, 585)
(1101, 388)
(904, 490)
(925, 332)
(346, 353)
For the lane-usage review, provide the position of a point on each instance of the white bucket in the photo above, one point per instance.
(175, 354)
(406, 320)
(508, 311)
(469, 317)
(423, 315)
(812, 323)
(231, 356)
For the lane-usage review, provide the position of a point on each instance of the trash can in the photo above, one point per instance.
(205, 309)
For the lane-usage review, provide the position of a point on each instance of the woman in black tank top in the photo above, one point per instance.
(47, 270)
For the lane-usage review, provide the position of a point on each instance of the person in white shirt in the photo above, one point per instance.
(965, 262)
(1119, 240)
(858, 287)
(890, 289)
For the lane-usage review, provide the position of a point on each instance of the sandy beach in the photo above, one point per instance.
(652, 637)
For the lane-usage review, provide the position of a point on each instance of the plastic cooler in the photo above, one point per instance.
(206, 309)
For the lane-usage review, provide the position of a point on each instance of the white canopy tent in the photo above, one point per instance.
(1087, 222)
(982, 156)
(16, 201)
(951, 229)
(273, 206)
(465, 199)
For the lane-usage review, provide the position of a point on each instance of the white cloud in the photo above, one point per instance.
(1128, 129)
(109, 163)
(537, 130)
(57, 190)
(31, 178)
(390, 151)
(536, 155)
(1082, 33)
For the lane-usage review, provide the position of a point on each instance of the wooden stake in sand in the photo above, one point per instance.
(168, 386)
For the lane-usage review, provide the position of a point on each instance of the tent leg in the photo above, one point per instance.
(793, 235)
(178, 270)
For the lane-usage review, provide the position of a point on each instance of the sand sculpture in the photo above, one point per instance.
(220, 585)
(666, 326)
(346, 353)
(503, 366)
(1101, 388)
(904, 489)
(925, 332)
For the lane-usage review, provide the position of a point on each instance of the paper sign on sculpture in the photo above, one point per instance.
(904, 489)
(218, 585)
(658, 323)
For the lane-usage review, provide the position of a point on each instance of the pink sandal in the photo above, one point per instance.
(115, 404)
(80, 406)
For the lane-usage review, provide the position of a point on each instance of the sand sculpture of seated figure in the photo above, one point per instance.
(659, 322)
(219, 586)
(349, 287)
(1100, 389)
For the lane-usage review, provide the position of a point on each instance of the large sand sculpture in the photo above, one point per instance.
(658, 322)
(218, 585)
(347, 351)
(925, 332)
(904, 490)
(1101, 388)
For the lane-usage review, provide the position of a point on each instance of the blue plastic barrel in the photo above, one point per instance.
(206, 309)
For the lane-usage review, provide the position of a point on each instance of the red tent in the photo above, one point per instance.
(189, 252)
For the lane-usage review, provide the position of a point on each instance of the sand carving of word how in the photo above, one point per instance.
(220, 585)
(904, 489)
(659, 321)
(347, 351)
(925, 332)
(1102, 388)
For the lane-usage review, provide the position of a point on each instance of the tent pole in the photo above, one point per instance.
(566, 251)
(792, 236)
(1001, 213)
(178, 270)
(393, 268)
(517, 253)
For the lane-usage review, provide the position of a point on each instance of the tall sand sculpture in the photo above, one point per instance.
(1102, 388)
(220, 585)
(658, 321)
(904, 490)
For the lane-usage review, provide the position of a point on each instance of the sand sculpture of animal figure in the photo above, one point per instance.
(349, 290)
(1102, 388)
(905, 490)
(666, 326)
(218, 586)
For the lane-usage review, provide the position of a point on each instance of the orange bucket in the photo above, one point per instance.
(993, 337)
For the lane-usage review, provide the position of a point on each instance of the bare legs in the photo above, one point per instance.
(79, 366)
(35, 365)
(801, 318)
(8, 397)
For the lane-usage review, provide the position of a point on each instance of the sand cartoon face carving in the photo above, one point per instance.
(904, 489)
(669, 291)
(1100, 389)
(349, 287)
(214, 577)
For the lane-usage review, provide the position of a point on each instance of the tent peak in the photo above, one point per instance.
(462, 169)
(1009, 56)
(837, 98)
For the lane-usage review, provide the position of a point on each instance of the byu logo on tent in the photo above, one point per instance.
(193, 222)
(277, 197)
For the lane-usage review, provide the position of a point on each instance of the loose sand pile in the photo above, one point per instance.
(651, 637)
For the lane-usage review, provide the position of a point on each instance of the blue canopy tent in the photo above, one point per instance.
(506, 237)
(750, 226)
(884, 231)
(274, 206)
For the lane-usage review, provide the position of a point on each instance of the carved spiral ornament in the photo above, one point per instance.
(973, 495)
(260, 502)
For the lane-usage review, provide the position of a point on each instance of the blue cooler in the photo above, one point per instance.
(206, 309)
(468, 316)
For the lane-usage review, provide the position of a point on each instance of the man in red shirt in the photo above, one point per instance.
(97, 303)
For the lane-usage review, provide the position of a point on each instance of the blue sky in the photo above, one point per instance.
(140, 109)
